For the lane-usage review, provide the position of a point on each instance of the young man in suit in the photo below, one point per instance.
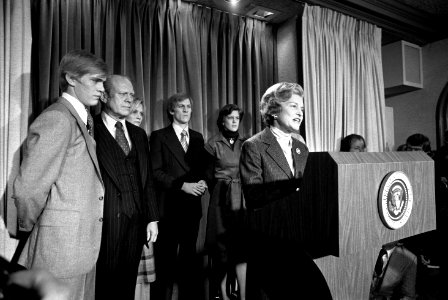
(130, 208)
(177, 155)
(59, 191)
(271, 166)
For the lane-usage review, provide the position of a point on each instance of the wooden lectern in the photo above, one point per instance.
(341, 224)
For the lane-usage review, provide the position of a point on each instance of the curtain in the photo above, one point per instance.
(343, 80)
(15, 68)
(165, 47)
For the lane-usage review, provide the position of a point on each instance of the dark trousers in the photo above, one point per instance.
(279, 270)
(176, 260)
(117, 267)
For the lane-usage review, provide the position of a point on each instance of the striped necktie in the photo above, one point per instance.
(89, 124)
(121, 138)
(183, 140)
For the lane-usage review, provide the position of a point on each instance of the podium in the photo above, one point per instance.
(341, 224)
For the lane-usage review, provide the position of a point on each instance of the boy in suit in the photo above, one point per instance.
(59, 191)
(177, 156)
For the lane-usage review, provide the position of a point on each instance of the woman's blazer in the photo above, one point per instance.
(270, 188)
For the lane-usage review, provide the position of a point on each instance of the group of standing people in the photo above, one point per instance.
(93, 195)
(85, 191)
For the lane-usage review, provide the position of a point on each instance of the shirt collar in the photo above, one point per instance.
(78, 106)
(110, 122)
(178, 129)
(282, 137)
(285, 142)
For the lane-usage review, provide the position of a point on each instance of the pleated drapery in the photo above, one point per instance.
(15, 68)
(164, 46)
(343, 80)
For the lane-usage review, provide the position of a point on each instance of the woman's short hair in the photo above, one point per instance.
(79, 63)
(173, 100)
(225, 111)
(279, 92)
(347, 141)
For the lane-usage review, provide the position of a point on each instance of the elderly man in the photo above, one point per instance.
(130, 209)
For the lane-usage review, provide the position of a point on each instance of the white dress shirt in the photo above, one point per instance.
(78, 106)
(285, 141)
(110, 125)
(178, 130)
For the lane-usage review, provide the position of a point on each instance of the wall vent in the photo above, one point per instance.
(262, 13)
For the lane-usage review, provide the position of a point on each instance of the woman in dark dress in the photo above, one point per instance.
(225, 234)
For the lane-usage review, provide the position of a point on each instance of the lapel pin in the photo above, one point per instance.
(297, 150)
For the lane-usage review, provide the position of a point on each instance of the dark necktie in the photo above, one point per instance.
(378, 274)
(293, 161)
(89, 124)
(121, 138)
(183, 140)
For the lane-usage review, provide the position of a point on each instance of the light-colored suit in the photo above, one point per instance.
(59, 194)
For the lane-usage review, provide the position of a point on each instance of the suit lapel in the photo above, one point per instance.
(105, 148)
(140, 150)
(237, 143)
(224, 140)
(90, 142)
(175, 146)
(296, 152)
(275, 151)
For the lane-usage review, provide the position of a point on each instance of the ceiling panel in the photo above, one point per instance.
(416, 21)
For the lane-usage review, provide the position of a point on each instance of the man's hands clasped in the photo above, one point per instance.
(195, 188)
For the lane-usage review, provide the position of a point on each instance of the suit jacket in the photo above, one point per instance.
(270, 189)
(59, 194)
(172, 167)
(106, 144)
(398, 278)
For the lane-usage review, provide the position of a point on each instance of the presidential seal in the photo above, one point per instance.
(395, 200)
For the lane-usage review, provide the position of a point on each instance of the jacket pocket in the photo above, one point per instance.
(60, 218)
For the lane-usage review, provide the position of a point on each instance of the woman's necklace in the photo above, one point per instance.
(231, 141)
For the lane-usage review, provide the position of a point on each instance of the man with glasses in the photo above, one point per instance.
(130, 209)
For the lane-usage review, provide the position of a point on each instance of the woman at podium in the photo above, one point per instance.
(271, 166)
